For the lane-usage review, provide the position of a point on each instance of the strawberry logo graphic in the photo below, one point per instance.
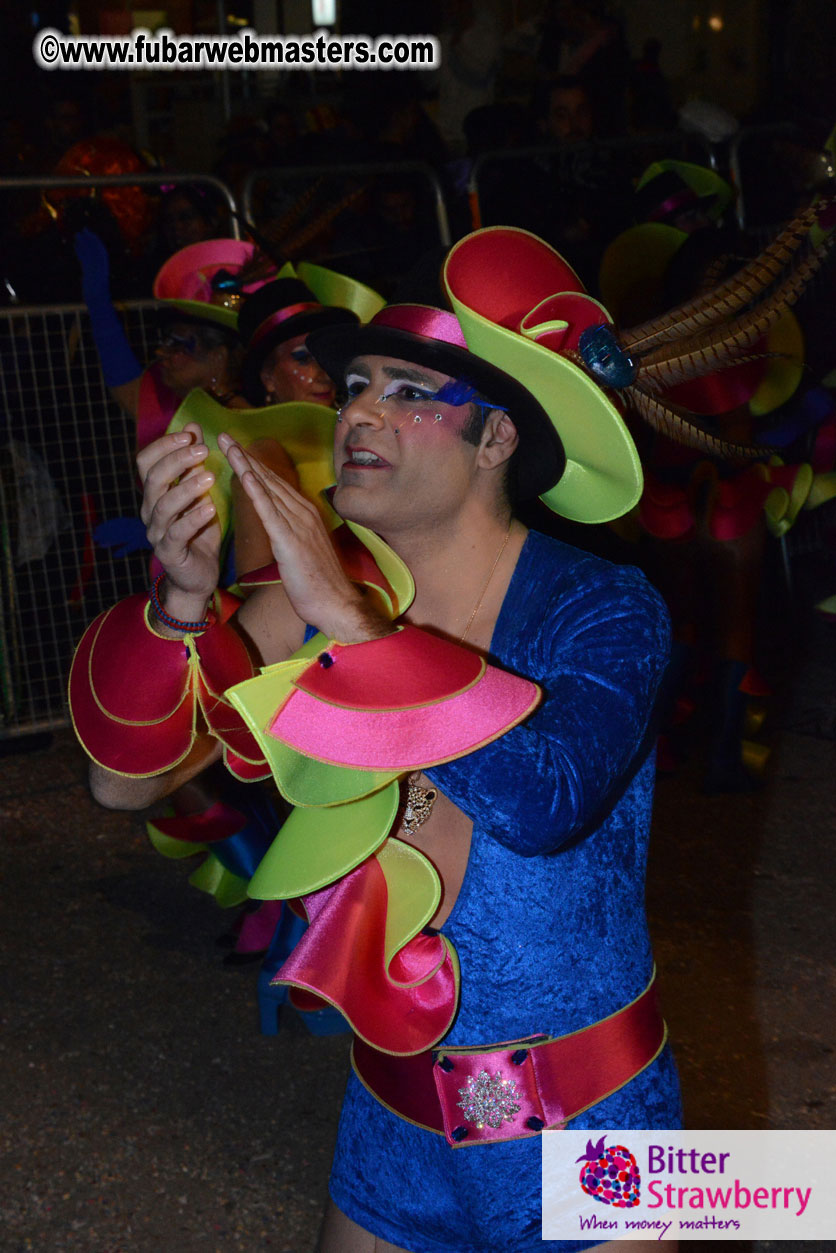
(610, 1175)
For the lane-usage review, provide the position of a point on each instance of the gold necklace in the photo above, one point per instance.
(478, 604)
(420, 800)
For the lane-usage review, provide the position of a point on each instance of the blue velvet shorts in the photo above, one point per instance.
(409, 1187)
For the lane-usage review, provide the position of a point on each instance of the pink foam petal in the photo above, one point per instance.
(404, 739)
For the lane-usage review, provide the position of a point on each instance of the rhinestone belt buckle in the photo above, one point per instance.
(488, 1096)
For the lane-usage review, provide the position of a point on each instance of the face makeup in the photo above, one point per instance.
(410, 398)
(291, 373)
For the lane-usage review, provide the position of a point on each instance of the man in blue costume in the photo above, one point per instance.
(534, 825)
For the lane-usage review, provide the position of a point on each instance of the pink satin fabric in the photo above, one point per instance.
(276, 319)
(187, 275)
(156, 407)
(553, 1081)
(405, 739)
(408, 668)
(217, 822)
(341, 959)
(422, 320)
(134, 727)
(132, 693)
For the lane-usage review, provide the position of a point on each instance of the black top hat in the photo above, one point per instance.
(274, 313)
(433, 337)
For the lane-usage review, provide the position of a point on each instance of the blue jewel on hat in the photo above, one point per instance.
(604, 357)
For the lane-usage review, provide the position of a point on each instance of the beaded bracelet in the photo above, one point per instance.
(166, 618)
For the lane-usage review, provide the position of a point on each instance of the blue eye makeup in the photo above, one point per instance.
(457, 392)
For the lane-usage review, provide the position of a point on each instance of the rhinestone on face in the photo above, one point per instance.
(488, 1100)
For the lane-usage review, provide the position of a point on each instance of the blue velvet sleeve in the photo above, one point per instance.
(597, 645)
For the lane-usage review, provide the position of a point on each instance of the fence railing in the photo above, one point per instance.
(153, 178)
(66, 465)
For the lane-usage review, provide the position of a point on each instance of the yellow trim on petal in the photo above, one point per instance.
(393, 569)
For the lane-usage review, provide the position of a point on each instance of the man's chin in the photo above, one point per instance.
(354, 503)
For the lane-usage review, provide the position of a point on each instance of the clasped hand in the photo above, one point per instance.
(182, 527)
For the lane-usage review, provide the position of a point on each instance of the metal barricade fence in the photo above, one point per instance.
(374, 219)
(150, 178)
(66, 465)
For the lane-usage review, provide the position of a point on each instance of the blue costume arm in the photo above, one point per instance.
(118, 361)
(599, 655)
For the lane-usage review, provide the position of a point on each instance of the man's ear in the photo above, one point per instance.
(499, 440)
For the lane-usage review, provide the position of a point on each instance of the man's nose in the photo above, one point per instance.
(364, 410)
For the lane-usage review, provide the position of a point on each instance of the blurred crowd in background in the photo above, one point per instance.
(562, 82)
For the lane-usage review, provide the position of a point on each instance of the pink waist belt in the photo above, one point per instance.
(518, 1088)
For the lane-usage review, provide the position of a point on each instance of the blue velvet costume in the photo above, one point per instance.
(549, 924)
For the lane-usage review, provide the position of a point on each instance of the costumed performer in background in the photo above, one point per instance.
(706, 511)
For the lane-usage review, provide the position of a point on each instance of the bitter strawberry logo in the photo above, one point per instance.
(610, 1175)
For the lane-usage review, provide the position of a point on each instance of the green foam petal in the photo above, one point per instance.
(822, 489)
(317, 847)
(331, 288)
(300, 779)
(205, 311)
(414, 893)
(702, 181)
(391, 567)
(167, 846)
(227, 888)
(305, 431)
(308, 783)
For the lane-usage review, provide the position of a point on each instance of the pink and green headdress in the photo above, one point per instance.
(491, 277)
(210, 280)
(298, 300)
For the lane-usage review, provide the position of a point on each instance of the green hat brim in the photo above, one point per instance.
(603, 476)
(205, 312)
